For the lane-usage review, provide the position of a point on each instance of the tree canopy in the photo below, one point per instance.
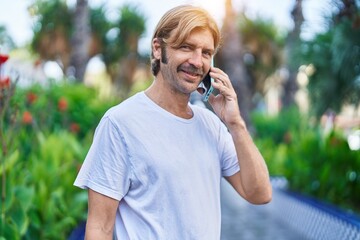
(335, 56)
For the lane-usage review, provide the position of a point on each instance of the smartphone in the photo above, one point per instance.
(205, 87)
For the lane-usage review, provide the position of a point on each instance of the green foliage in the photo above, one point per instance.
(335, 56)
(263, 43)
(132, 25)
(122, 38)
(52, 15)
(325, 167)
(63, 106)
(42, 203)
(273, 134)
(100, 25)
(114, 40)
(52, 170)
(316, 164)
(277, 128)
(274, 155)
(43, 159)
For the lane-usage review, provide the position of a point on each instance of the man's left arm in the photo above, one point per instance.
(252, 182)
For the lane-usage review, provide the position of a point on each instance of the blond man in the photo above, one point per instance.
(155, 165)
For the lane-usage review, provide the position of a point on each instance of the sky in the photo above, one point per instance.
(14, 14)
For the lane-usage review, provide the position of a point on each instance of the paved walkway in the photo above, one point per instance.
(243, 221)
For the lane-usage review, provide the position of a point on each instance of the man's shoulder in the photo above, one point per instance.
(126, 108)
(128, 104)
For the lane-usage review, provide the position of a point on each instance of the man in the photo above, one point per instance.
(156, 162)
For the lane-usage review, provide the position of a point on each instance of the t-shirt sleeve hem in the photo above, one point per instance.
(231, 171)
(86, 184)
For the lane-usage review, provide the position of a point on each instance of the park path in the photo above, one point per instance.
(244, 221)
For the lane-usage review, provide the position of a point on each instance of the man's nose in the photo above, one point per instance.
(196, 59)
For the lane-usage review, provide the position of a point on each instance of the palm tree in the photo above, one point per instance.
(52, 31)
(335, 56)
(263, 51)
(231, 61)
(121, 54)
(73, 38)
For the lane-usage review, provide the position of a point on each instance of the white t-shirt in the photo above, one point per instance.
(164, 170)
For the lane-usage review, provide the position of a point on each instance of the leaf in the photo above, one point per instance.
(9, 196)
(25, 195)
(20, 218)
(9, 161)
(11, 230)
(35, 219)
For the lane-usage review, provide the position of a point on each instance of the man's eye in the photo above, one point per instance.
(207, 54)
(185, 47)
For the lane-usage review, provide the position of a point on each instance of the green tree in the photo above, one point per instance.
(121, 56)
(251, 52)
(52, 31)
(63, 35)
(262, 49)
(335, 55)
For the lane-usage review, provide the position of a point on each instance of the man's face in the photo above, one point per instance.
(184, 67)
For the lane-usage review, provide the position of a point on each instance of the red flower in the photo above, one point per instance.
(3, 58)
(5, 82)
(74, 127)
(27, 118)
(31, 97)
(62, 104)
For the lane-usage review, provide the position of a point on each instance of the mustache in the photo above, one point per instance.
(190, 69)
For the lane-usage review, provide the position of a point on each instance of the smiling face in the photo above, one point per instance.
(176, 25)
(183, 67)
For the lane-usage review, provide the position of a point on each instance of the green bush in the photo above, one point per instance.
(277, 128)
(324, 167)
(47, 134)
(74, 107)
(41, 202)
(274, 134)
(315, 164)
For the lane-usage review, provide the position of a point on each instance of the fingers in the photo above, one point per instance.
(221, 82)
(219, 76)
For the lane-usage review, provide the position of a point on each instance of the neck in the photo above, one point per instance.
(171, 101)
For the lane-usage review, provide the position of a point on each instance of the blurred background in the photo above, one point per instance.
(294, 64)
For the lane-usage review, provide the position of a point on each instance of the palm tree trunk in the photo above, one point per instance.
(80, 40)
(231, 56)
(293, 41)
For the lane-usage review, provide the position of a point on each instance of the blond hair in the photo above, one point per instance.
(176, 25)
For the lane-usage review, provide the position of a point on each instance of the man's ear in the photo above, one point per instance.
(156, 48)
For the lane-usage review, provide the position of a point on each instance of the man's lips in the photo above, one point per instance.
(191, 73)
(191, 77)
(190, 70)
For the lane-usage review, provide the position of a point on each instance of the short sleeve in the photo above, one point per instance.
(229, 159)
(105, 169)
